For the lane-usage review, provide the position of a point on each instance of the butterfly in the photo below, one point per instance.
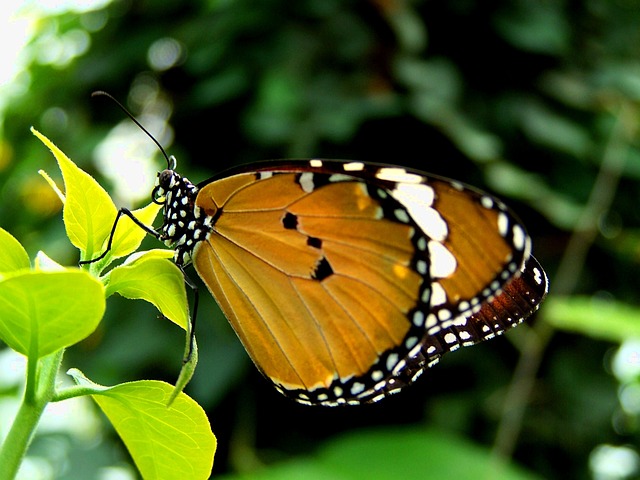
(346, 280)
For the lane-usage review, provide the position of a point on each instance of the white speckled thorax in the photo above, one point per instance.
(184, 224)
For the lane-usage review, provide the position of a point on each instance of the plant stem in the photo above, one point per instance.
(39, 390)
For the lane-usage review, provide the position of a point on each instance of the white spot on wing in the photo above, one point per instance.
(408, 194)
(401, 215)
(537, 276)
(450, 338)
(399, 366)
(353, 166)
(411, 342)
(438, 295)
(415, 351)
(392, 360)
(418, 200)
(519, 237)
(315, 163)
(503, 224)
(395, 174)
(417, 375)
(357, 388)
(306, 182)
(459, 321)
(443, 263)
(421, 266)
(339, 177)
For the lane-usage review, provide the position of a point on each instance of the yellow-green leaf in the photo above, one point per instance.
(89, 212)
(156, 280)
(13, 256)
(166, 443)
(154, 253)
(42, 312)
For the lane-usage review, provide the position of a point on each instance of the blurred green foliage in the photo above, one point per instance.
(535, 101)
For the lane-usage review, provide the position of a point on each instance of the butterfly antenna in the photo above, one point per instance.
(101, 93)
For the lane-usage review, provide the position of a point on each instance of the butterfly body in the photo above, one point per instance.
(346, 280)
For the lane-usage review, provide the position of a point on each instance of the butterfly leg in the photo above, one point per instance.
(127, 212)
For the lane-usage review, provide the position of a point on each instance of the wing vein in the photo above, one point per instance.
(242, 292)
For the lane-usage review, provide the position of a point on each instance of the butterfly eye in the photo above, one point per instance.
(166, 179)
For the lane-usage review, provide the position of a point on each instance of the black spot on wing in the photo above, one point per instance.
(314, 242)
(290, 221)
(323, 270)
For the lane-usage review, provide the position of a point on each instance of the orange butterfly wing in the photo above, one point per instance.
(343, 284)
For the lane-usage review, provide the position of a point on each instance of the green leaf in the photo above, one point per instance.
(52, 184)
(13, 256)
(598, 318)
(156, 280)
(89, 212)
(165, 443)
(42, 312)
(546, 127)
(399, 453)
(155, 253)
